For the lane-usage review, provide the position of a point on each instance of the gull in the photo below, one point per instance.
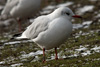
(20, 9)
(50, 31)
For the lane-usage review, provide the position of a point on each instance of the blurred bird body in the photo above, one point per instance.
(20, 9)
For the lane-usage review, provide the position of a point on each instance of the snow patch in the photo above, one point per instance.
(86, 53)
(17, 42)
(45, 12)
(2, 62)
(16, 65)
(74, 55)
(98, 16)
(96, 49)
(80, 49)
(65, 4)
(84, 9)
(31, 20)
(50, 7)
(77, 26)
(39, 52)
(47, 9)
(85, 24)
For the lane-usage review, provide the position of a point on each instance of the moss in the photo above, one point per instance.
(67, 49)
(71, 62)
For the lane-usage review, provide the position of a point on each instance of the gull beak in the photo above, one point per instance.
(77, 16)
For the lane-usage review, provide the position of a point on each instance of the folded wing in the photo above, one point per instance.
(39, 25)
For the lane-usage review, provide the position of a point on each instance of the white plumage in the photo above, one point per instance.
(50, 31)
(21, 8)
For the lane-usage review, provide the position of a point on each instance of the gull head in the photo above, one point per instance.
(64, 11)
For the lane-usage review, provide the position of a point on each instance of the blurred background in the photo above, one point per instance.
(82, 49)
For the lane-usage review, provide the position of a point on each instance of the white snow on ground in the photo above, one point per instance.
(16, 42)
(85, 24)
(39, 52)
(16, 65)
(79, 34)
(10, 59)
(2, 62)
(31, 20)
(7, 22)
(86, 53)
(81, 48)
(77, 52)
(49, 7)
(3, 23)
(65, 4)
(74, 55)
(1, 47)
(84, 9)
(59, 56)
(45, 12)
(77, 26)
(96, 49)
(97, 16)
(52, 57)
(85, 33)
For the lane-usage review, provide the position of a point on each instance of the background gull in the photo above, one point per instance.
(20, 9)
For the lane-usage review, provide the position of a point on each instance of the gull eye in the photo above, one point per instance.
(68, 14)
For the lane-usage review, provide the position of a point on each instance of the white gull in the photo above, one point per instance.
(50, 31)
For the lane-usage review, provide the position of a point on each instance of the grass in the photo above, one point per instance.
(70, 62)
(71, 44)
(89, 38)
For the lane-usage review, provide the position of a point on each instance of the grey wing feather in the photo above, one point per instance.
(38, 26)
(9, 5)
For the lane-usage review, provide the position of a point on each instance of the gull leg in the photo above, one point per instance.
(19, 23)
(56, 57)
(44, 55)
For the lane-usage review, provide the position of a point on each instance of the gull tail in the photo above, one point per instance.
(19, 36)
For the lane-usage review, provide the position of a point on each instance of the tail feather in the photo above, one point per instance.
(15, 36)
(19, 36)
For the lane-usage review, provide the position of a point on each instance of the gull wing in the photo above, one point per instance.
(39, 25)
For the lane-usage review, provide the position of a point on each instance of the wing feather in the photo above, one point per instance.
(39, 25)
